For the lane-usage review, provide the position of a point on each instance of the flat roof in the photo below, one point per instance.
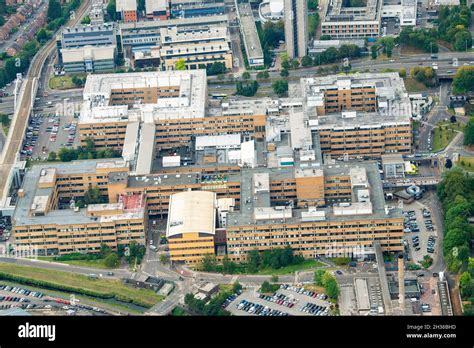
(249, 32)
(191, 212)
(190, 102)
(22, 215)
(245, 216)
(146, 149)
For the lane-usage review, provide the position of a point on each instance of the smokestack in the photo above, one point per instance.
(401, 282)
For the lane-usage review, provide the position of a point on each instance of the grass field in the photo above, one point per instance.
(443, 134)
(466, 163)
(109, 288)
(62, 82)
(5, 123)
(84, 263)
(305, 265)
(413, 85)
(409, 50)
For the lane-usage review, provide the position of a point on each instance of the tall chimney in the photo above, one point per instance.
(401, 282)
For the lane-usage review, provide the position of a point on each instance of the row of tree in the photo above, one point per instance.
(82, 152)
(456, 192)
(256, 260)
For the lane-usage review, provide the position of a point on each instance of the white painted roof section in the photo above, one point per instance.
(219, 141)
(131, 141)
(191, 212)
(146, 149)
(190, 103)
(126, 5)
(88, 52)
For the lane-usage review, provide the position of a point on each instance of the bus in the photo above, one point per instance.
(219, 96)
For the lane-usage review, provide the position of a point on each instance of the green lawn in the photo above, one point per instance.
(444, 134)
(84, 263)
(62, 82)
(305, 265)
(412, 85)
(5, 120)
(466, 163)
(103, 287)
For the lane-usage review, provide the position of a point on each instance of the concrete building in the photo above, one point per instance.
(157, 9)
(271, 10)
(253, 48)
(88, 59)
(342, 21)
(96, 14)
(46, 218)
(127, 10)
(296, 28)
(147, 34)
(197, 8)
(359, 115)
(191, 226)
(97, 35)
(198, 48)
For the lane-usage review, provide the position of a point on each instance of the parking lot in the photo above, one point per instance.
(20, 297)
(420, 231)
(48, 132)
(287, 300)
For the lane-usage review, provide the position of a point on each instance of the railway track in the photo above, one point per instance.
(20, 121)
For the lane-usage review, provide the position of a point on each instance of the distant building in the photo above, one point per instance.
(157, 9)
(72, 39)
(341, 21)
(296, 28)
(198, 48)
(127, 10)
(197, 8)
(88, 59)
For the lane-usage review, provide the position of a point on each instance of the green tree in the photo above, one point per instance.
(261, 75)
(295, 63)
(228, 267)
(274, 278)
(54, 10)
(253, 261)
(467, 285)
(112, 9)
(236, 287)
(318, 277)
(86, 20)
(463, 81)
(246, 75)
(284, 73)
(402, 72)
(330, 285)
(306, 61)
(93, 196)
(208, 263)
(180, 64)
(105, 250)
(164, 258)
(280, 87)
(52, 156)
(111, 261)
